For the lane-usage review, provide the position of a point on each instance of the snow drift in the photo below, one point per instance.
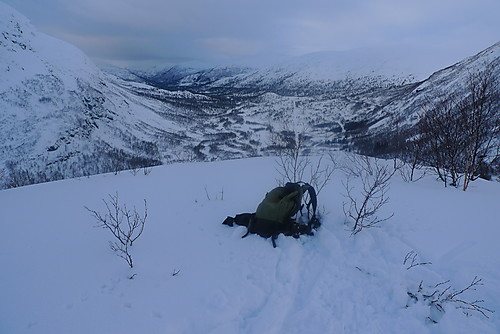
(59, 275)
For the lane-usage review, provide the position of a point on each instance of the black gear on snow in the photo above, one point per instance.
(275, 213)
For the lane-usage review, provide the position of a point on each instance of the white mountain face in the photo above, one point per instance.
(61, 116)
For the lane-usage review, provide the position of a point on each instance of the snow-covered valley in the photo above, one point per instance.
(62, 117)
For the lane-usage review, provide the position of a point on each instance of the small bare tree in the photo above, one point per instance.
(292, 158)
(294, 163)
(482, 116)
(442, 130)
(134, 170)
(147, 170)
(411, 171)
(363, 207)
(125, 224)
(411, 153)
(458, 134)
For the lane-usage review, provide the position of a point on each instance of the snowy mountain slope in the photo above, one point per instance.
(60, 116)
(445, 81)
(59, 275)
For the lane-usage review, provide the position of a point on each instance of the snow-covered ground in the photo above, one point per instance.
(58, 274)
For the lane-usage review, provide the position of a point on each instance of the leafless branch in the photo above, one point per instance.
(357, 165)
(294, 164)
(411, 260)
(363, 207)
(125, 224)
(443, 293)
(454, 297)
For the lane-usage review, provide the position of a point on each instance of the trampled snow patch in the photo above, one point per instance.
(59, 275)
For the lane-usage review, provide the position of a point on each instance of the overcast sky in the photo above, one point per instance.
(124, 32)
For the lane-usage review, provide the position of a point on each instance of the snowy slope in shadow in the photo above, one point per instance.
(59, 275)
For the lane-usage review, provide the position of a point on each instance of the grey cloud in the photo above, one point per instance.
(126, 30)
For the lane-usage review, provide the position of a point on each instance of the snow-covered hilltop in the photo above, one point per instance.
(59, 275)
(61, 116)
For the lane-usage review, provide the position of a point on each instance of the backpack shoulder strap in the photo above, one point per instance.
(313, 199)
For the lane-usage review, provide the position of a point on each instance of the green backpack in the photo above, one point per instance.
(275, 214)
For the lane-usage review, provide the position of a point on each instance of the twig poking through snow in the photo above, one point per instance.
(412, 255)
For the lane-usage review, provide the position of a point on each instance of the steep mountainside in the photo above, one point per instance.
(60, 116)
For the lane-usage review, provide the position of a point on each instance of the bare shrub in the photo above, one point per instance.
(294, 163)
(482, 116)
(218, 196)
(134, 170)
(440, 294)
(291, 154)
(125, 224)
(363, 204)
(441, 129)
(147, 170)
(410, 153)
(458, 134)
(411, 172)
